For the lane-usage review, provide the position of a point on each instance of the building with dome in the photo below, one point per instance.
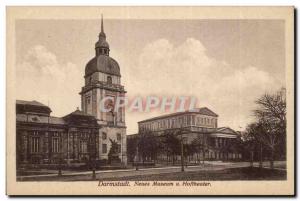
(82, 135)
(45, 139)
(102, 80)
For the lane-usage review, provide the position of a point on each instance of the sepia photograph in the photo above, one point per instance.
(150, 100)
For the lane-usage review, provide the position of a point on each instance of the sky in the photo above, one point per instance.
(225, 64)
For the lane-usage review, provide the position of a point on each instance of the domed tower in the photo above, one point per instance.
(103, 82)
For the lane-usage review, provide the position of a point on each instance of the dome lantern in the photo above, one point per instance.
(102, 62)
(102, 46)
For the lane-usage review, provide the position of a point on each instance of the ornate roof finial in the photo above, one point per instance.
(102, 34)
(102, 29)
(102, 46)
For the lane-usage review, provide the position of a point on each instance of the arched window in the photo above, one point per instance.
(109, 80)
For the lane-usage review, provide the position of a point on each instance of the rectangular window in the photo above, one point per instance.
(189, 120)
(118, 136)
(35, 144)
(88, 100)
(193, 120)
(104, 136)
(119, 148)
(173, 123)
(55, 145)
(83, 146)
(104, 148)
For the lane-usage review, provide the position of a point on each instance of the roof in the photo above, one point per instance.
(35, 103)
(23, 106)
(104, 64)
(57, 120)
(203, 111)
(40, 119)
(102, 43)
(80, 118)
(226, 130)
(206, 111)
(78, 112)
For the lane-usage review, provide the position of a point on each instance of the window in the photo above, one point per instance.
(55, 145)
(88, 99)
(184, 140)
(35, 144)
(193, 120)
(110, 118)
(83, 146)
(119, 148)
(173, 123)
(104, 136)
(121, 111)
(109, 80)
(104, 148)
(198, 121)
(189, 120)
(118, 136)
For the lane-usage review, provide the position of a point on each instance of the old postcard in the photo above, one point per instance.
(150, 101)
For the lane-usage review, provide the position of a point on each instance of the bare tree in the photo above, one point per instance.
(270, 128)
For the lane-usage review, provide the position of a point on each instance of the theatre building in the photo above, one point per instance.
(198, 127)
(42, 138)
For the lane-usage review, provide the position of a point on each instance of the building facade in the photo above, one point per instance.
(198, 127)
(44, 139)
(103, 80)
(80, 135)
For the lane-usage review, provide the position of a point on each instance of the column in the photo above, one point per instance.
(25, 146)
(46, 146)
(76, 145)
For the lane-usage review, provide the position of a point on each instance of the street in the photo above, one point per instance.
(114, 174)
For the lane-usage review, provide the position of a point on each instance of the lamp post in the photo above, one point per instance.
(93, 154)
(182, 155)
(59, 165)
(261, 156)
(93, 169)
(122, 149)
(137, 158)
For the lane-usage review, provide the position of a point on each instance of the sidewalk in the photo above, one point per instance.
(102, 174)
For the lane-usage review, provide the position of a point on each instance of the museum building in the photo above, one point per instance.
(42, 138)
(80, 135)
